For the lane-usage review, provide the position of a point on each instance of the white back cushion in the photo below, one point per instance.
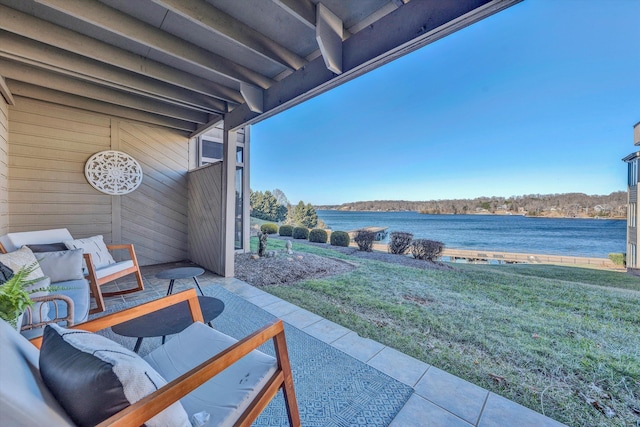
(14, 241)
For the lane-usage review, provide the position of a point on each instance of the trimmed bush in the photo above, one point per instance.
(364, 239)
(618, 259)
(340, 238)
(399, 242)
(318, 235)
(286, 230)
(300, 233)
(426, 249)
(269, 228)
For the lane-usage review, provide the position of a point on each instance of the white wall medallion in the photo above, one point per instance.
(113, 172)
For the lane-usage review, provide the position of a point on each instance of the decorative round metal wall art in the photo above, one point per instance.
(113, 172)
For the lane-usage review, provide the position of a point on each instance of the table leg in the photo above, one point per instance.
(198, 285)
(136, 348)
(170, 289)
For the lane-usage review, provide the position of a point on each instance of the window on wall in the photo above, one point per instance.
(210, 151)
(632, 217)
(239, 214)
(633, 172)
(238, 217)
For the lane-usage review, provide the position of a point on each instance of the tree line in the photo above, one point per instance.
(572, 205)
(275, 207)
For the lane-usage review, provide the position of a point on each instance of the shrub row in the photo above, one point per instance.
(340, 238)
(426, 249)
(399, 241)
(269, 228)
(286, 230)
(317, 235)
(364, 239)
(300, 233)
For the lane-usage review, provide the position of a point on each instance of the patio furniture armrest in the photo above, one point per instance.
(128, 246)
(55, 298)
(156, 402)
(131, 313)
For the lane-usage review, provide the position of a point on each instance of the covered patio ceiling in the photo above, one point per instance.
(187, 64)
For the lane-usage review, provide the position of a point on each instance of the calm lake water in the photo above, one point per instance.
(558, 236)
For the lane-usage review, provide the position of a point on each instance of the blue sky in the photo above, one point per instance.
(539, 98)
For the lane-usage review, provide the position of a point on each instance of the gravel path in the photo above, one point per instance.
(284, 268)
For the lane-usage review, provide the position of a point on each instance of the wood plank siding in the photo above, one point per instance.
(48, 147)
(205, 217)
(154, 217)
(4, 160)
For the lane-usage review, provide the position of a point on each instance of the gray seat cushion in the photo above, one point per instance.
(24, 398)
(227, 394)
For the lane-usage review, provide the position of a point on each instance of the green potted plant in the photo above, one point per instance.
(15, 295)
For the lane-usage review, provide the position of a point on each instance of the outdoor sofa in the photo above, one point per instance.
(62, 289)
(74, 376)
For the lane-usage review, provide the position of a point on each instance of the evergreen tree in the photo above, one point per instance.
(265, 206)
(303, 215)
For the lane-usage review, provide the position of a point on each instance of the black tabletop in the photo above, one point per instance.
(180, 273)
(169, 320)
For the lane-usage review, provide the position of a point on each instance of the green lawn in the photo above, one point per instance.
(550, 338)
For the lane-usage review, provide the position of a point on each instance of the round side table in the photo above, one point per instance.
(181, 273)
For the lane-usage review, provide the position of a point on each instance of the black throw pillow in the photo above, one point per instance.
(48, 247)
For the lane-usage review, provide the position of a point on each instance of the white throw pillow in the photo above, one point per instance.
(24, 257)
(94, 246)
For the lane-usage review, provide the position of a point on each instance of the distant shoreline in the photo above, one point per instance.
(480, 214)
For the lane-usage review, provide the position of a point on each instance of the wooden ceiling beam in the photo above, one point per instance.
(48, 79)
(329, 31)
(40, 55)
(45, 32)
(206, 16)
(303, 10)
(100, 15)
(49, 95)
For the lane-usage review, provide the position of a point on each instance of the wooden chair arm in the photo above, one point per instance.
(120, 246)
(156, 402)
(129, 247)
(131, 313)
(46, 299)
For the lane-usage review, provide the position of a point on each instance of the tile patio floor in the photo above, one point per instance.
(439, 399)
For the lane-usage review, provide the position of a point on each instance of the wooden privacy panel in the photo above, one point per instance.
(48, 146)
(154, 217)
(4, 138)
(205, 217)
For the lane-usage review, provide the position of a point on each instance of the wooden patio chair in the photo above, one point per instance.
(280, 378)
(97, 277)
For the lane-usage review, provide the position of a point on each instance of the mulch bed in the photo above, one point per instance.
(285, 269)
